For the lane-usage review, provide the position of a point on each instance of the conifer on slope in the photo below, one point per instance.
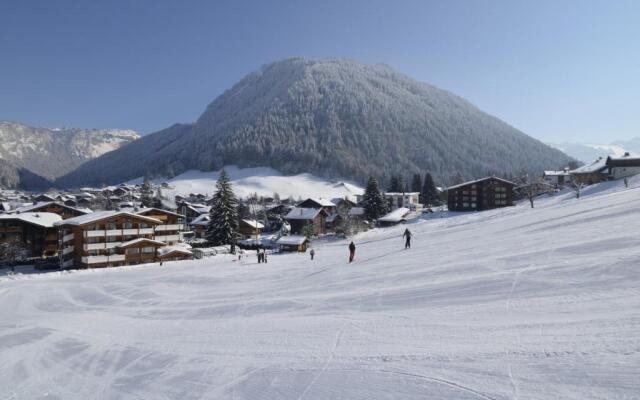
(223, 216)
(375, 205)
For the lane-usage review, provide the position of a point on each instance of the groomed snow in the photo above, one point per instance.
(264, 181)
(515, 303)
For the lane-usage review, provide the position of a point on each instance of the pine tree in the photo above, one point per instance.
(375, 205)
(397, 184)
(146, 192)
(429, 192)
(416, 183)
(307, 230)
(223, 224)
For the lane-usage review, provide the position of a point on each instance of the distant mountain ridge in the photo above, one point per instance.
(50, 153)
(333, 118)
(587, 152)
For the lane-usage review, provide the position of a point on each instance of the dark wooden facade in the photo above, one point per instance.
(482, 194)
(40, 241)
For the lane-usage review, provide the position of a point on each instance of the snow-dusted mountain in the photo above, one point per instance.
(51, 153)
(587, 152)
(333, 118)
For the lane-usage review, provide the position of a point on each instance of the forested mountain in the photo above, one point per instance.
(31, 152)
(335, 118)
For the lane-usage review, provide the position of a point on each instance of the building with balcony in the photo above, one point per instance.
(107, 238)
(171, 227)
(54, 207)
(36, 231)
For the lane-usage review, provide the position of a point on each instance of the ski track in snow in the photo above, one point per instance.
(516, 303)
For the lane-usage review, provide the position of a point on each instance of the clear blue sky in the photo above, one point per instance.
(558, 70)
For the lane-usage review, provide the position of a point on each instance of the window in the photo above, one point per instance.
(465, 204)
(142, 225)
(111, 226)
(133, 251)
(473, 205)
(148, 250)
(128, 225)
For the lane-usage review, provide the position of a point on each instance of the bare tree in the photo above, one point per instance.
(531, 188)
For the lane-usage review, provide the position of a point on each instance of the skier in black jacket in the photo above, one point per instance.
(352, 251)
(407, 234)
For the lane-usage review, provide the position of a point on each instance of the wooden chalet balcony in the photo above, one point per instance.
(168, 238)
(102, 259)
(119, 232)
(67, 237)
(101, 246)
(67, 250)
(169, 227)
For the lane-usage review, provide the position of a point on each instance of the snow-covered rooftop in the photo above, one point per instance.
(321, 202)
(594, 166)
(556, 173)
(142, 240)
(396, 215)
(201, 220)
(292, 240)
(173, 249)
(253, 223)
(303, 213)
(43, 219)
(100, 215)
(481, 180)
(32, 207)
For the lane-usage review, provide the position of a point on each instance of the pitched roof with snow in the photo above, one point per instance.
(100, 215)
(303, 213)
(201, 220)
(623, 161)
(158, 210)
(36, 206)
(481, 180)
(43, 219)
(292, 240)
(556, 173)
(320, 202)
(253, 223)
(396, 215)
(594, 166)
(165, 251)
(142, 240)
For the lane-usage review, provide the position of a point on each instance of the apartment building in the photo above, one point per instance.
(108, 238)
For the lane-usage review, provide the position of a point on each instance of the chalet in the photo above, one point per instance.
(328, 206)
(171, 224)
(192, 211)
(107, 238)
(481, 194)
(293, 243)
(41, 198)
(250, 227)
(36, 230)
(54, 207)
(342, 202)
(623, 167)
(199, 225)
(410, 200)
(557, 178)
(395, 217)
(298, 218)
(591, 173)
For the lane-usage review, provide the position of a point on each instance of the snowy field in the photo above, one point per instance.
(505, 304)
(263, 181)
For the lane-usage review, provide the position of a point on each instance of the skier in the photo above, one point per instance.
(312, 253)
(407, 234)
(352, 251)
(259, 255)
(264, 255)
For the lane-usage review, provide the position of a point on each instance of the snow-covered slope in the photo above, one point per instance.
(51, 153)
(263, 181)
(515, 303)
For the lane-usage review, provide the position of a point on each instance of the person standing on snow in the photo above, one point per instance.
(407, 234)
(312, 253)
(264, 255)
(352, 251)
